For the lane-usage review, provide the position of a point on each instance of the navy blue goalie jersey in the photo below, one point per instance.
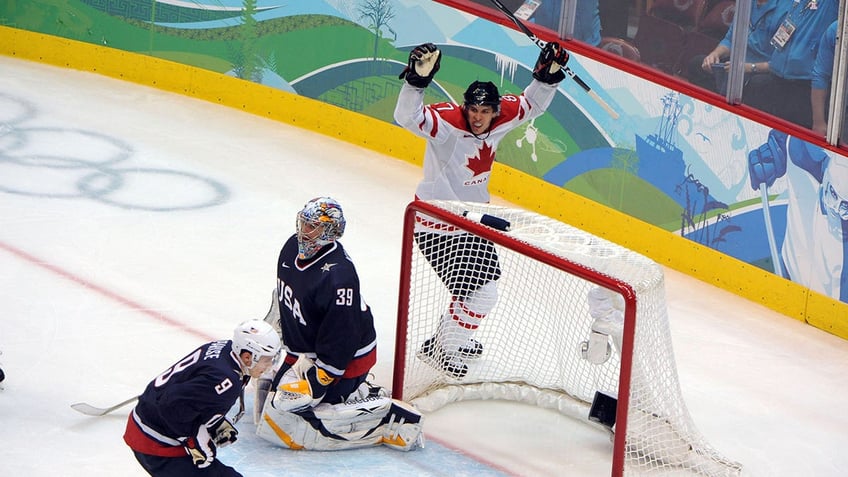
(322, 313)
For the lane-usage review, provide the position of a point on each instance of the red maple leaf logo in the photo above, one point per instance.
(482, 162)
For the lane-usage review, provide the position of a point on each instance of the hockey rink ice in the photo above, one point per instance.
(137, 224)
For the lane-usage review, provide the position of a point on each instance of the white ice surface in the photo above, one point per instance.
(137, 224)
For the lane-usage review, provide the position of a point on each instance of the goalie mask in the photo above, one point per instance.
(483, 93)
(257, 337)
(834, 198)
(319, 223)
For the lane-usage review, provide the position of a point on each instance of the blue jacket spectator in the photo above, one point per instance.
(587, 19)
(765, 19)
(785, 92)
(820, 84)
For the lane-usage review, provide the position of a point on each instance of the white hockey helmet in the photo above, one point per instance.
(835, 196)
(257, 337)
(320, 222)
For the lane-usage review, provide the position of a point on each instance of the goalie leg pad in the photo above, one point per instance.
(342, 426)
(403, 428)
(597, 350)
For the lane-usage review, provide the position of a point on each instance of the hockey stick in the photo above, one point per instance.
(775, 257)
(541, 44)
(90, 410)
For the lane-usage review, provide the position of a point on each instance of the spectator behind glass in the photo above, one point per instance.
(587, 20)
(785, 92)
(765, 18)
(822, 73)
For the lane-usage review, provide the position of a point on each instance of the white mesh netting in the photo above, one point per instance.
(531, 335)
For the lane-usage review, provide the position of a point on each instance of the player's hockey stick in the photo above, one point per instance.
(90, 410)
(541, 44)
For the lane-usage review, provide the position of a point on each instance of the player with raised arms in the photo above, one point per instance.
(461, 144)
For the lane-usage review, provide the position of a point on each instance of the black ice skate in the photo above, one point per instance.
(450, 363)
(472, 349)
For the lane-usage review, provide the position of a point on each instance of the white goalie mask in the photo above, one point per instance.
(834, 197)
(319, 223)
(257, 337)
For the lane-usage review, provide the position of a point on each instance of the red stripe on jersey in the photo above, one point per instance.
(435, 129)
(141, 442)
(361, 365)
(357, 367)
(452, 114)
(511, 108)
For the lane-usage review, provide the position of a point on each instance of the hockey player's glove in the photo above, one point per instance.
(423, 64)
(548, 67)
(200, 448)
(224, 433)
(768, 162)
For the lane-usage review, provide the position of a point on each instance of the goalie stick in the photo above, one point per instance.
(541, 44)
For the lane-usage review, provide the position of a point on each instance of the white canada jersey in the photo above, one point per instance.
(457, 164)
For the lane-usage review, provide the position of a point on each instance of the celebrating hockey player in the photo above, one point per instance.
(180, 419)
(461, 144)
(319, 398)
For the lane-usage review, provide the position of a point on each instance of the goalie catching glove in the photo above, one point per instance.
(423, 64)
(303, 380)
(548, 67)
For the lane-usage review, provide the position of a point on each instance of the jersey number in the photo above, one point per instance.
(344, 296)
(184, 364)
(180, 366)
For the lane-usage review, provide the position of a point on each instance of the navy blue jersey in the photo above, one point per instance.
(322, 313)
(205, 383)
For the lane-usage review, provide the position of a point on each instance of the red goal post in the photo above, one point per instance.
(535, 337)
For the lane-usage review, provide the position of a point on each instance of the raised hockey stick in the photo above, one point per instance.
(90, 410)
(541, 44)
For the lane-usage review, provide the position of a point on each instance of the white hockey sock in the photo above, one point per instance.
(464, 316)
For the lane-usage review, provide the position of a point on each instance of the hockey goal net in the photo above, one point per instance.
(534, 337)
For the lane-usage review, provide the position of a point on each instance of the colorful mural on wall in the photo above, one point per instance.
(672, 161)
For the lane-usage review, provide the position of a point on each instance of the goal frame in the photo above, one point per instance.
(502, 239)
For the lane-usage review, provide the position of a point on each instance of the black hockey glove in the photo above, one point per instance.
(423, 64)
(223, 433)
(549, 65)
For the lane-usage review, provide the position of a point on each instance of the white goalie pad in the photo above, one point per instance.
(607, 310)
(351, 425)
